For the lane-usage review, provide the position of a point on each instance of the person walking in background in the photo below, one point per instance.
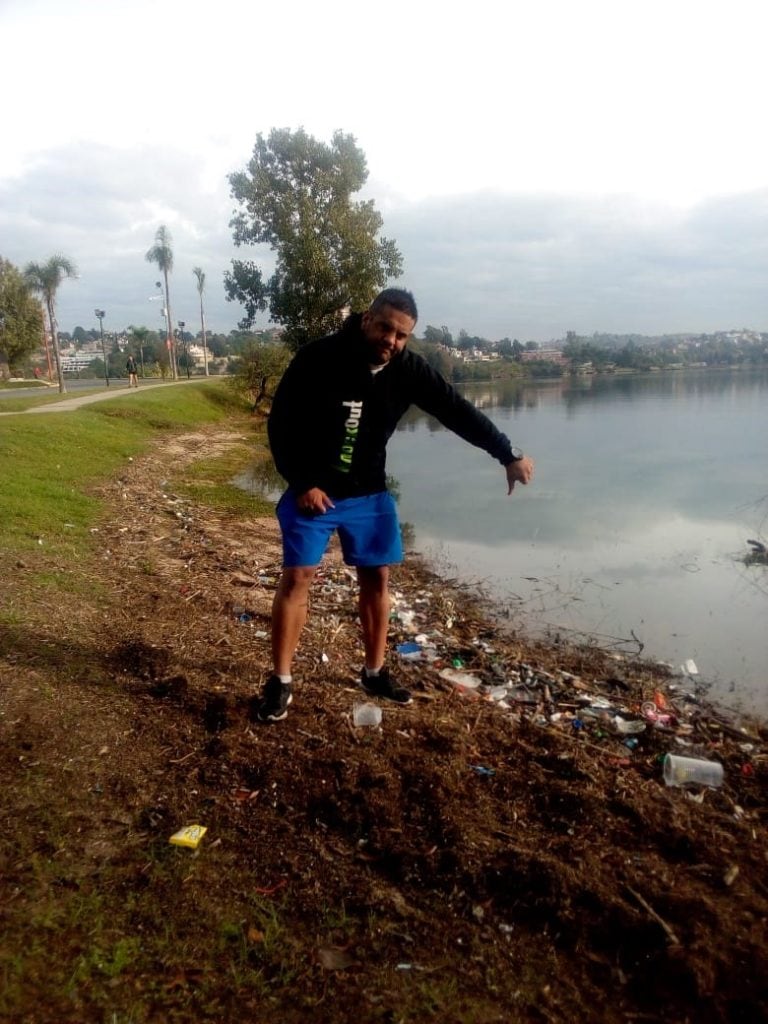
(335, 409)
(132, 368)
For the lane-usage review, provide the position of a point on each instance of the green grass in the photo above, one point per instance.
(49, 462)
(209, 482)
(108, 961)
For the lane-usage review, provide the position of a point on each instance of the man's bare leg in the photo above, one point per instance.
(374, 612)
(289, 613)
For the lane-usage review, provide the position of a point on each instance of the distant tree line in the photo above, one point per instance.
(150, 350)
(635, 352)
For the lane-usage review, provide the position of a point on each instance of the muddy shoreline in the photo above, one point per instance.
(481, 856)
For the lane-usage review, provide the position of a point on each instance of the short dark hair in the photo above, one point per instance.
(398, 298)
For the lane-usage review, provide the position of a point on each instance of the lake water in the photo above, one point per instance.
(634, 530)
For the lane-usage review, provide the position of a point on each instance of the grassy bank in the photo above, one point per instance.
(49, 464)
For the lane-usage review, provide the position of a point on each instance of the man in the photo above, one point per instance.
(335, 408)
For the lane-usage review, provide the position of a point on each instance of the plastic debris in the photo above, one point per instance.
(189, 836)
(683, 771)
(650, 711)
(461, 679)
(410, 651)
(497, 692)
(628, 728)
(366, 715)
(405, 618)
(480, 769)
(626, 711)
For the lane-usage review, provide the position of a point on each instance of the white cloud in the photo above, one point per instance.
(535, 267)
(101, 207)
(543, 166)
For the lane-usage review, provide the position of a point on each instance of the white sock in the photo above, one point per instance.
(285, 679)
(371, 673)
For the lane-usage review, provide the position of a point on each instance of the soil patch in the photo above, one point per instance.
(493, 852)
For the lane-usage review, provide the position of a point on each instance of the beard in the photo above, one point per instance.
(381, 354)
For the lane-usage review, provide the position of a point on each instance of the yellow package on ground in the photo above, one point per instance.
(189, 836)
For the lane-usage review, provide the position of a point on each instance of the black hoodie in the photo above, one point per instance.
(332, 417)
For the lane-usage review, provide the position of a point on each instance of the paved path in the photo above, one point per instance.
(120, 391)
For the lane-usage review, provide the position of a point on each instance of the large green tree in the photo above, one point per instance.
(45, 279)
(161, 254)
(21, 319)
(296, 196)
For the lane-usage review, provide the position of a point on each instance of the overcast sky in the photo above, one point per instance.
(543, 165)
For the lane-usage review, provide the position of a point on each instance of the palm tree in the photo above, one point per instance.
(200, 275)
(45, 279)
(161, 253)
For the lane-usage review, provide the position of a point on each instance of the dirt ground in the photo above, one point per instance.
(469, 861)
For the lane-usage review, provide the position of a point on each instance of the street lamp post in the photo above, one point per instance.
(100, 314)
(182, 324)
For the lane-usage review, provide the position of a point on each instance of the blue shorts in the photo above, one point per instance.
(368, 529)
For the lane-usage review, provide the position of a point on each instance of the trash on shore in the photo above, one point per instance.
(758, 555)
(462, 680)
(683, 771)
(190, 836)
(366, 715)
(411, 651)
(640, 711)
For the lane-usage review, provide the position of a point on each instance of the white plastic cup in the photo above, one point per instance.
(683, 771)
(366, 715)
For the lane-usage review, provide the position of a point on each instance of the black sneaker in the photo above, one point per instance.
(384, 686)
(272, 706)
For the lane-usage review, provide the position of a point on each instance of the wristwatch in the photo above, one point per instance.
(516, 454)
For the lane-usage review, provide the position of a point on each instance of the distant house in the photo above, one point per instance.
(73, 364)
(544, 355)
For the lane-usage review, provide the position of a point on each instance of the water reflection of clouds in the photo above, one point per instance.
(672, 547)
(650, 593)
(636, 519)
(616, 472)
(576, 394)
